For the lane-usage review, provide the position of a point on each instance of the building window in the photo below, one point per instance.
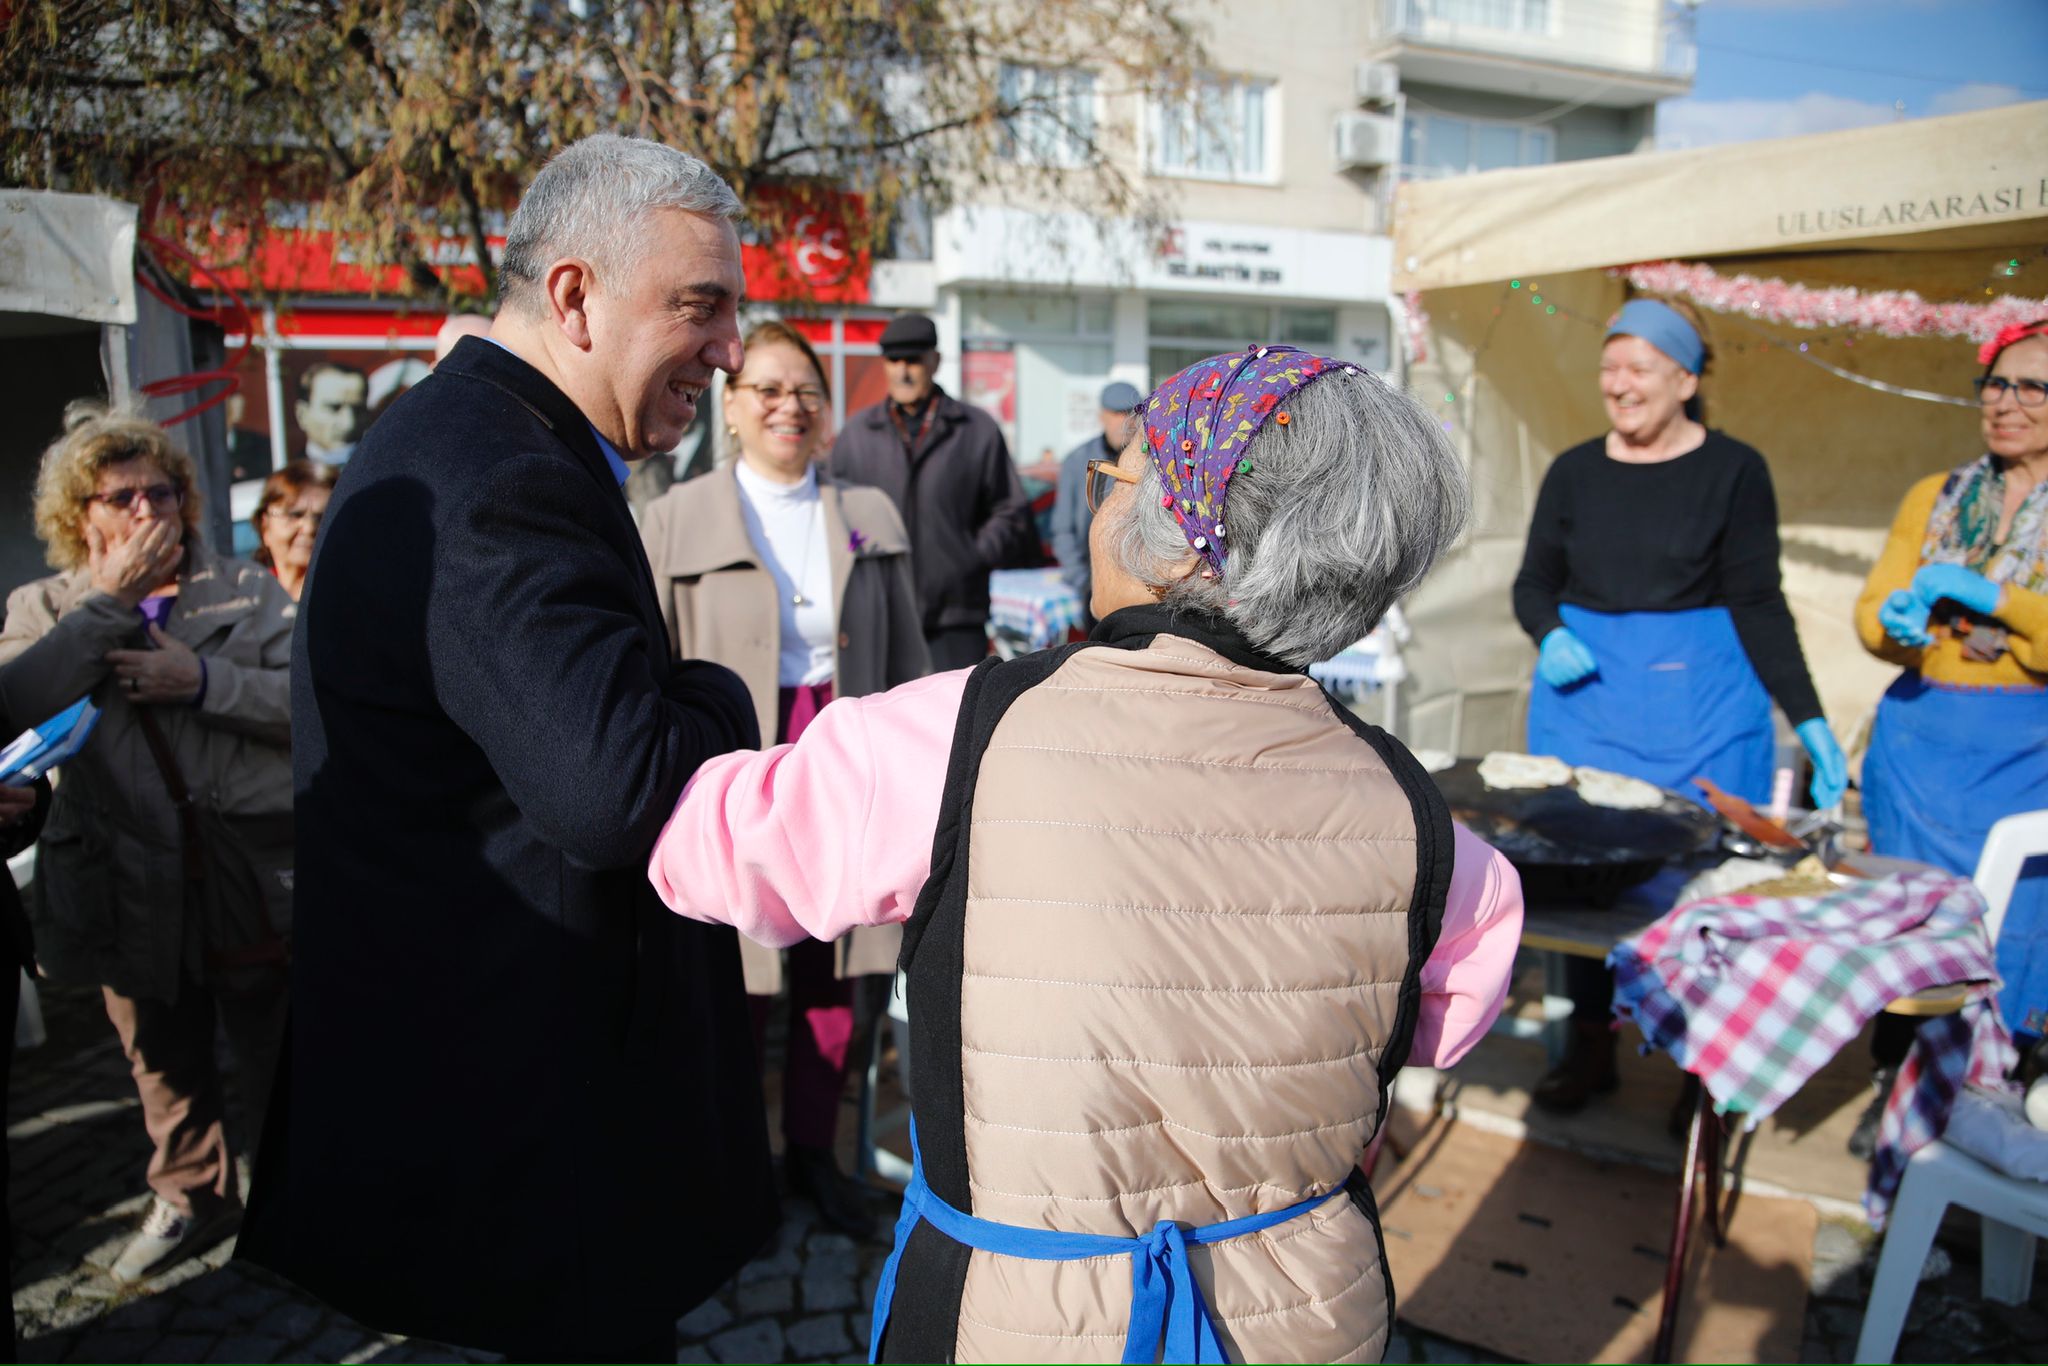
(1183, 331)
(1512, 16)
(1038, 363)
(1221, 131)
(1441, 145)
(1055, 122)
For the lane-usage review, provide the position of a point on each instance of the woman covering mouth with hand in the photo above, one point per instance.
(803, 588)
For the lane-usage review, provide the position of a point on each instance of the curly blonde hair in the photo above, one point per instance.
(94, 438)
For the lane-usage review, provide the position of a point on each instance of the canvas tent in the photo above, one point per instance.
(74, 324)
(1514, 273)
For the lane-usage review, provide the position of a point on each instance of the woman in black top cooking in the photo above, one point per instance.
(1651, 588)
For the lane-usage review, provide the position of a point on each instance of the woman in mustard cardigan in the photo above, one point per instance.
(1960, 600)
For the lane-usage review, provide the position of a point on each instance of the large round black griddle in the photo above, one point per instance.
(1567, 849)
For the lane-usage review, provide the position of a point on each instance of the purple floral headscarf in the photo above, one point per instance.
(1199, 423)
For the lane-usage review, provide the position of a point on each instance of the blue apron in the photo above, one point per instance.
(1675, 698)
(1164, 1297)
(1945, 763)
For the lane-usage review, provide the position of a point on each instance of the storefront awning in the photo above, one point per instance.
(1949, 181)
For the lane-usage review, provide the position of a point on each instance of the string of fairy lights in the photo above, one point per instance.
(1837, 316)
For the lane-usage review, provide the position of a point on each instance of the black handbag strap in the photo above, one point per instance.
(181, 795)
(267, 952)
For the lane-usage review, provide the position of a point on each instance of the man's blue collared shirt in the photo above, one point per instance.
(620, 470)
(611, 456)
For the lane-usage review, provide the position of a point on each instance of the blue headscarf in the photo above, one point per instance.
(1663, 327)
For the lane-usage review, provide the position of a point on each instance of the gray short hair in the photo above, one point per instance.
(1344, 510)
(592, 200)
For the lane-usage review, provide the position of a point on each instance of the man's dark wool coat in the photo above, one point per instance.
(519, 1106)
(961, 498)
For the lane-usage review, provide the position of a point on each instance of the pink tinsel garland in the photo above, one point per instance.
(1418, 327)
(1890, 313)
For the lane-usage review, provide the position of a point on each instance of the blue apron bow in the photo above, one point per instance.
(1165, 1300)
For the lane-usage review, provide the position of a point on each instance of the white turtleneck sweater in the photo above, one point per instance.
(786, 523)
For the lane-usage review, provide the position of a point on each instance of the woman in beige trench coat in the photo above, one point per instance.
(803, 587)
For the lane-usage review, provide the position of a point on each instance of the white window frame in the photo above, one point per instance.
(1036, 139)
(1200, 104)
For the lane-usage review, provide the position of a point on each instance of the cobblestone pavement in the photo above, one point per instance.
(78, 1152)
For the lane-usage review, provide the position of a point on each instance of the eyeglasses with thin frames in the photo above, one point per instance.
(1102, 475)
(298, 517)
(163, 497)
(2028, 393)
(808, 397)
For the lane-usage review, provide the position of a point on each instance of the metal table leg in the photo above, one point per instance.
(1557, 1008)
(1705, 1155)
(1681, 1232)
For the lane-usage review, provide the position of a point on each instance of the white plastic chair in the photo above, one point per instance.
(2013, 1210)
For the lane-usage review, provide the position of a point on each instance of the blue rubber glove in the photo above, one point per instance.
(1937, 581)
(1904, 618)
(1830, 765)
(1563, 660)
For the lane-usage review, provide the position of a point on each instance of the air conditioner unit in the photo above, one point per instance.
(1378, 82)
(1366, 142)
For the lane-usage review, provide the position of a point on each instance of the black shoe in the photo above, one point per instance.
(842, 1202)
(1587, 1070)
(1678, 1124)
(1863, 1139)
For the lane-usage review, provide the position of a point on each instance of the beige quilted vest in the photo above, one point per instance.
(1186, 933)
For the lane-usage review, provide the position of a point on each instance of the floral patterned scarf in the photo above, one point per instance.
(1963, 528)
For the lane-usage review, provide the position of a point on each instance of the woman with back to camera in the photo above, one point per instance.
(1959, 600)
(802, 587)
(1175, 916)
(1651, 587)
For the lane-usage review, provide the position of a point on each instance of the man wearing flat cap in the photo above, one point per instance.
(1070, 514)
(945, 465)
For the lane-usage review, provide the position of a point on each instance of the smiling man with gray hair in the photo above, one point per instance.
(519, 1108)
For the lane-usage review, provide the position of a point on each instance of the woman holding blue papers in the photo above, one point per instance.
(1650, 585)
(164, 868)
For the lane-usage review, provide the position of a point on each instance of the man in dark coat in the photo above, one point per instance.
(519, 1108)
(945, 465)
(1071, 516)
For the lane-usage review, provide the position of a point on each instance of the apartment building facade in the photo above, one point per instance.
(1273, 188)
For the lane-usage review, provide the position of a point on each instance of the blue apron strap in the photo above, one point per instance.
(1166, 1301)
(885, 1289)
(906, 1223)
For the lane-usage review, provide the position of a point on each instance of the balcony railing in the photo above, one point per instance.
(1643, 37)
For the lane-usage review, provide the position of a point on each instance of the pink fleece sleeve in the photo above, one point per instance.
(816, 838)
(1465, 981)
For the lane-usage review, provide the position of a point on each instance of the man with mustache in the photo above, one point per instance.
(518, 1108)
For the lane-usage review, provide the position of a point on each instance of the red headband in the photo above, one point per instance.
(1988, 352)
